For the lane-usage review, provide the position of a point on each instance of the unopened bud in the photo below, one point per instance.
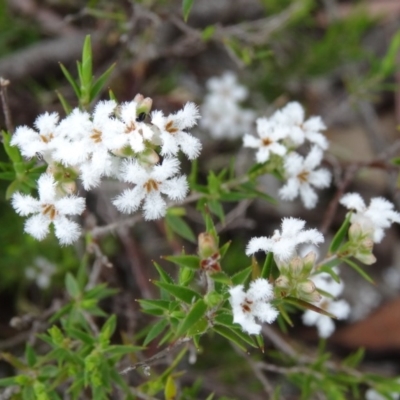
(68, 187)
(148, 156)
(307, 287)
(282, 282)
(207, 245)
(144, 104)
(355, 232)
(296, 266)
(308, 263)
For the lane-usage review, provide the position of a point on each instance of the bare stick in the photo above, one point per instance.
(4, 103)
(161, 354)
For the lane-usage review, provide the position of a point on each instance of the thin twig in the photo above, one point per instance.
(161, 354)
(4, 103)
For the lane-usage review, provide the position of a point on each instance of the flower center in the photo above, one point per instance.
(96, 135)
(130, 127)
(266, 141)
(246, 306)
(150, 185)
(303, 176)
(49, 210)
(169, 127)
(46, 138)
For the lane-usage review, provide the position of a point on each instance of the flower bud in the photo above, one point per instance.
(144, 104)
(149, 157)
(296, 266)
(207, 245)
(282, 282)
(306, 287)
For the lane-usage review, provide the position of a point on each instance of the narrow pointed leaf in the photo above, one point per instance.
(340, 235)
(98, 86)
(195, 314)
(71, 80)
(308, 306)
(189, 261)
(358, 269)
(155, 330)
(186, 7)
(241, 277)
(182, 293)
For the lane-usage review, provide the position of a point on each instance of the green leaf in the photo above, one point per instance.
(155, 330)
(189, 261)
(186, 7)
(86, 69)
(221, 277)
(353, 360)
(358, 269)
(65, 105)
(30, 355)
(182, 293)
(231, 335)
(80, 335)
(266, 271)
(195, 314)
(160, 304)
(170, 390)
(241, 277)
(108, 328)
(120, 350)
(217, 209)
(100, 82)
(389, 60)
(7, 176)
(340, 235)
(72, 286)
(163, 275)
(308, 306)
(180, 227)
(224, 248)
(7, 381)
(71, 81)
(331, 272)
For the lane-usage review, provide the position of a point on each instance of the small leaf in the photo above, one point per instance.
(163, 275)
(189, 261)
(340, 235)
(217, 209)
(71, 80)
(65, 105)
(170, 390)
(80, 335)
(241, 277)
(224, 248)
(155, 330)
(266, 271)
(221, 277)
(230, 335)
(195, 314)
(160, 304)
(182, 293)
(86, 68)
(100, 82)
(308, 306)
(331, 272)
(358, 269)
(72, 286)
(30, 355)
(108, 328)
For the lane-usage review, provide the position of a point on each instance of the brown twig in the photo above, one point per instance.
(161, 354)
(4, 103)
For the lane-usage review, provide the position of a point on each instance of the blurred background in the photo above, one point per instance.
(340, 59)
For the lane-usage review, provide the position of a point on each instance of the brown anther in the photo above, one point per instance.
(303, 176)
(46, 138)
(246, 308)
(150, 185)
(96, 136)
(130, 127)
(169, 127)
(266, 141)
(49, 210)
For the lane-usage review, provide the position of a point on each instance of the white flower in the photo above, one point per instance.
(50, 209)
(247, 306)
(227, 87)
(302, 175)
(150, 183)
(129, 130)
(31, 142)
(339, 308)
(224, 118)
(268, 143)
(41, 272)
(283, 244)
(172, 131)
(292, 120)
(372, 394)
(376, 217)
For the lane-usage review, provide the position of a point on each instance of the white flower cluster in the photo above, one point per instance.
(283, 244)
(253, 304)
(279, 135)
(373, 219)
(339, 308)
(115, 141)
(221, 113)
